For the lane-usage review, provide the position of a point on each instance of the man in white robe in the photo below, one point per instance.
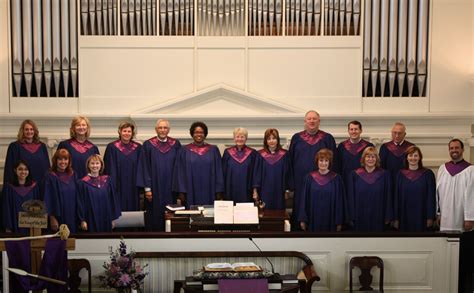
(455, 191)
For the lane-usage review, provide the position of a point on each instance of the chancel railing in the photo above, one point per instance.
(395, 47)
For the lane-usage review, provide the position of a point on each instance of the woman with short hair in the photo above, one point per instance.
(121, 161)
(79, 145)
(369, 194)
(97, 207)
(237, 164)
(322, 206)
(198, 170)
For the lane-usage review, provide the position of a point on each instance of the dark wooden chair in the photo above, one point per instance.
(365, 264)
(74, 267)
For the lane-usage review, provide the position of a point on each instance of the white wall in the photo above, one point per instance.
(427, 264)
(272, 82)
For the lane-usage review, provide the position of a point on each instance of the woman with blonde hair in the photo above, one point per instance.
(237, 164)
(30, 149)
(79, 145)
(60, 192)
(369, 193)
(121, 161)
(97, 205)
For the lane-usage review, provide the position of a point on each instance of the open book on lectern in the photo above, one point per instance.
(242, 213)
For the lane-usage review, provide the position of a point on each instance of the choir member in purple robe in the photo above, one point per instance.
(415, 194)
(370, 195)
(322, 206)
(393, 153)
(20, 189)
(96, 207)
(303, 148)
(198, 171)
(350, 151)
(155, 174)
(60, 194)
(272, 172)
(30, 149)
(237, 164)
(121, 161)
(79, 145)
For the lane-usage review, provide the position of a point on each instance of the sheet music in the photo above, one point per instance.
(223, 212)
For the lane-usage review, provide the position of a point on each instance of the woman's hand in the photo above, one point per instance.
(255, 194)
(303, 226)
(53, 223)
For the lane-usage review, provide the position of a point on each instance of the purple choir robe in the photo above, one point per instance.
(392, 157)
(35, 154)
(348, 157)
(198, 174)
(303, 149)
(347, 160)
(13, 198)
(322, 206)
(60, 197)
(415, 198)
(237, 166)
(80, 152)
(370, 199)
(97, 203)
(121, 161)
(155, 170)
(272, 174)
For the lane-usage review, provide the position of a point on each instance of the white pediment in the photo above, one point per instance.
(220, 99)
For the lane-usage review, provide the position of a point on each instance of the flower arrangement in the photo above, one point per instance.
(122, 272)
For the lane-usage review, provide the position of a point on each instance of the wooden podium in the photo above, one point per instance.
(269, 220)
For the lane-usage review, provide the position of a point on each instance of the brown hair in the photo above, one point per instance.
(354, 122)
(61, 154)
(324, 154)
(271, 132)
(370, 151)
(21, 136)
(95, 157)
(411, 150)
(76, 120)
(126, 124)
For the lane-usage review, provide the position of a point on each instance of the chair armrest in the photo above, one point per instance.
(311, 276)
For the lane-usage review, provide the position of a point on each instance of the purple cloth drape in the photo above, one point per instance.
(53, 265)
(243, 285)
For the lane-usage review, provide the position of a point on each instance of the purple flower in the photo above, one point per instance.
(125, 279)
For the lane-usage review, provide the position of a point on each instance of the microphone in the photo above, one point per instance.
(271, 264)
